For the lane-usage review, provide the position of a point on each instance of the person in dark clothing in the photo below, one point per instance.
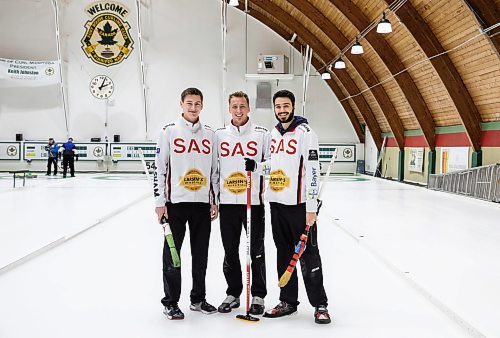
(53, 151)
(69, 157)
(292, 195)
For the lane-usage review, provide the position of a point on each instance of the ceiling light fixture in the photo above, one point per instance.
(384, 26)
(339, 64)
(357, 48)
(326, 74)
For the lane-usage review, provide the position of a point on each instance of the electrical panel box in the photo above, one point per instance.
(272, 64)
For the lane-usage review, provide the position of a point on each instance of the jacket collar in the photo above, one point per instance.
(241, 130)
(193, 127)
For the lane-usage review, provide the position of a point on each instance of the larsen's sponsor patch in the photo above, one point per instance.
(193, 180)
(236, 183)
(107, 39)
(278, 180)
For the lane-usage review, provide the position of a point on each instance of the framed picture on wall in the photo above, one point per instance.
(416, 159)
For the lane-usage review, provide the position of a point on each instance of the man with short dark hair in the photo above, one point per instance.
(69, 155)
(184, 183)
(292, 194)
(238, 140)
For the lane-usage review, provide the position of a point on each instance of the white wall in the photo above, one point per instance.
(182, 48)
(371, 153)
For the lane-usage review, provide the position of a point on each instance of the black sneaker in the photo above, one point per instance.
(257, 307)
(173, 312)
(321, 315)
(228, 304)
(280, 310)
(203, 307)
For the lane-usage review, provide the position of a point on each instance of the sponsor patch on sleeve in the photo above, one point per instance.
(313, 155)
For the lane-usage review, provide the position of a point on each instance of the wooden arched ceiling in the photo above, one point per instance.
(398, 84)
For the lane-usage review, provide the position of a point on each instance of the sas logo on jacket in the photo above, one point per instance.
(193, 180)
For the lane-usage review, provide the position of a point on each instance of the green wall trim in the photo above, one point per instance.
(477, 158)
(450, 129)
(401, 165)
(490, 125)
(388, 134)
(431, 163)
(413, 132)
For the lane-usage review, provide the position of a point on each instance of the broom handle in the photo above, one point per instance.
(249, 231)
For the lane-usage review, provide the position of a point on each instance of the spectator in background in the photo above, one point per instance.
(52, 148)
(68, 151)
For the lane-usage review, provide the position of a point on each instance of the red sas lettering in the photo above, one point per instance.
(179, 146)
(289, 148)
(237, 149)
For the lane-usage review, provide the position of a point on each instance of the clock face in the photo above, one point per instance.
(102, 87)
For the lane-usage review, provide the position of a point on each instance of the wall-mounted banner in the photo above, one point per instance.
(107, 39)
(29, 73)
(416, 160)
(454, 159)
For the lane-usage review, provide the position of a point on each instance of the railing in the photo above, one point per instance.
(481, 182)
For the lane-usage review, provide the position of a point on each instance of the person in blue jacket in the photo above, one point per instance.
(69, 157)
(52, 148)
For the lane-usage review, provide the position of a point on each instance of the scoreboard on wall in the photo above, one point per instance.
(345, 152)
(10, 150)
(90, 151)
(130, 151)
(85, 151)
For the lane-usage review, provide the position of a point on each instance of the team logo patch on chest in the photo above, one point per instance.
(278, 180)
(193, 180)
(236, 183)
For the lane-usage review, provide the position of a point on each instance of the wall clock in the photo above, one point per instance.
(102, 87)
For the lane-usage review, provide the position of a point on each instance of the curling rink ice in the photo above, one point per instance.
(81, 257)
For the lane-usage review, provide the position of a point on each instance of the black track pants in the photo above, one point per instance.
(68, 160)
(52, 161)
(197, 215)
(232, 216)
(288, 223)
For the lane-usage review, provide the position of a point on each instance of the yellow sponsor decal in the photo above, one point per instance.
(236, 183)
(193, 180)
(278, 180)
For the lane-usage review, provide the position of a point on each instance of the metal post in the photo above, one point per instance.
(58, 43)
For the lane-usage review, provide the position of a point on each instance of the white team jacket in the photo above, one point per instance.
(294, 167)
(186, 165)
(233, 145)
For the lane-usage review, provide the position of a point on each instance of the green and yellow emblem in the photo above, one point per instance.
(193, 180)
(107, 39)
(278, 180)
(236, 183)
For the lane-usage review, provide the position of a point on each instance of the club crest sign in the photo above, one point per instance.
(107, 39)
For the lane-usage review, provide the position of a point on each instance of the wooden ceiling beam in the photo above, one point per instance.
(425, 37)
(333, 86)
(488, 13)
(394, 64)
(362, 68)
(290, 22)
